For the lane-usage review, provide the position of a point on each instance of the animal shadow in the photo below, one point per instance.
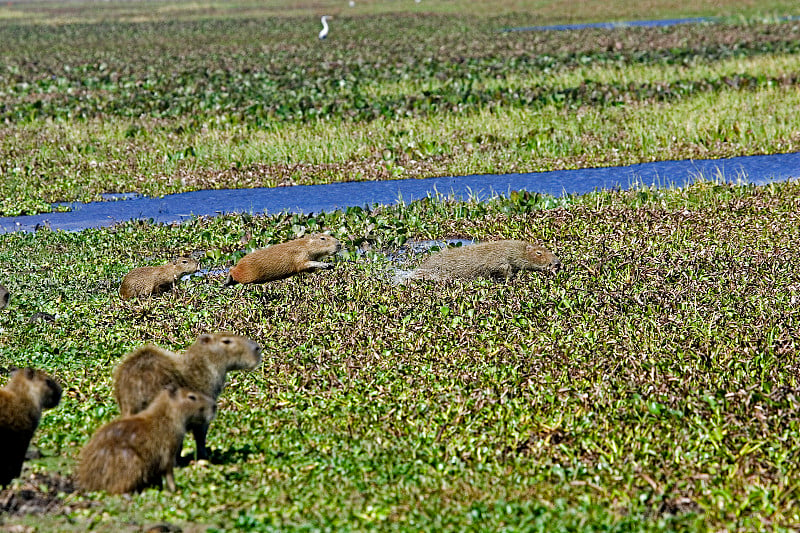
(223, 457)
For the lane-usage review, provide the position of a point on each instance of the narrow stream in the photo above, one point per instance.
(758, 170)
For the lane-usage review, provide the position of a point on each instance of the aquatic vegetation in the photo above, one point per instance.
(652, 381)
(649, 385)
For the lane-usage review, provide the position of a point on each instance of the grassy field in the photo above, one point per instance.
(650, 385)
(240, 97)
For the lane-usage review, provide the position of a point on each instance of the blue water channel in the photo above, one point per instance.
(615, 25)
(758, 169)
(632, 24)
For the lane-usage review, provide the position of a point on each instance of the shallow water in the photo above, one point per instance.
(632, 23)
(614, 25)
(405, 255)
(411, 249)
(205, 272)
(759, 170)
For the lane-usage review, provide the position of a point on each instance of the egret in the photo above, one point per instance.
(324, 32)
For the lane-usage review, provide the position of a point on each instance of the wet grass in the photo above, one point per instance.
(650, 385)
(237, 98)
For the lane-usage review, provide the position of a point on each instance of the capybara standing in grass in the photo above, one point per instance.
(496, 259)
(22, 400)
(4, 296)
(147, 370)
(136, 451)
(154, 280)
(286, 259)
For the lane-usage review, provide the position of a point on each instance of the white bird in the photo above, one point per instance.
(324, 32)
(352, 3)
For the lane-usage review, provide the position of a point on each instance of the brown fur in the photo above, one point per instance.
(280, 261)
(147, 370)
(4, 296)
(497, 259)
(135, 451)
(22, 400)
(154, 280)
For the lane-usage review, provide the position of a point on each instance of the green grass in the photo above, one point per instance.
(650, 385)
(155, 161)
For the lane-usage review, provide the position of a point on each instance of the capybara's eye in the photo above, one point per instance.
(192, 397)
(226, 341)
(538, 252)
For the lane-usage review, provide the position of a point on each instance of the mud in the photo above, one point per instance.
(38, 494)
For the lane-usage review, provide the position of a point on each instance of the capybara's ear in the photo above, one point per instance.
(172, 388)
(529, 247)
(205, 338)
(30, 373)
